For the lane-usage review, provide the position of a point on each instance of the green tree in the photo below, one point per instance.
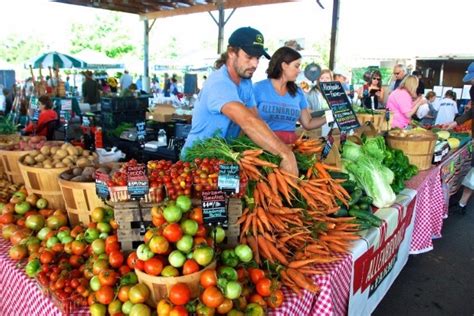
(16, 49)
(105, 35)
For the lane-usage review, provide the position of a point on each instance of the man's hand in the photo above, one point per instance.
(288, 163)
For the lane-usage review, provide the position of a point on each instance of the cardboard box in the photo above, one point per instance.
(162, 113)
(314, 133)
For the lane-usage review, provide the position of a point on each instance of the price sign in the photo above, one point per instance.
(137, 181)
(327, 148)
(101, 187)
(340, 105)
(66, 104)
(214, 208)
(141, 131)
(229, 178)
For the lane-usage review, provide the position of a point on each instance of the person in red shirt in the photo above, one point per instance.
(47, 114)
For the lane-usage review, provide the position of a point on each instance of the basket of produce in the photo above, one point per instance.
(417, 144)
(41, 169)
(8, 133)
(9, 156)
(377, 118)
(79, 192)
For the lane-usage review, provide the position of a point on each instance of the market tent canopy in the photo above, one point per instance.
(164, 9)
(55, 59)
(96, 60)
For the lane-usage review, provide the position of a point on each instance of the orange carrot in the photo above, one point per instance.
(282, 186)
(263, 217)
(253, 244)
(252, 152)
(276, 253)
(262, 245)
(251, 168)
(302, 281)
(272, 180)
(317, 259)
(259, 162)
(322, 171)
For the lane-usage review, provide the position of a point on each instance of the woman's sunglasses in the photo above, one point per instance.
(376, 79)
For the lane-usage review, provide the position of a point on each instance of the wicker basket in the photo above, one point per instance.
(9, 161)
(419, 149)
(44, 182)
(160, 286)
(377, 120)
(80, 199)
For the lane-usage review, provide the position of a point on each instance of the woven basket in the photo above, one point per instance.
(419, 149)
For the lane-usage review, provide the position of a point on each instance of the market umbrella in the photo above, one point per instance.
(53, 59)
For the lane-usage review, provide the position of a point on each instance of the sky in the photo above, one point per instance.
(367, 28)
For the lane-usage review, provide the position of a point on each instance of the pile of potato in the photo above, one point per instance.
(87, 174)
(62, 156)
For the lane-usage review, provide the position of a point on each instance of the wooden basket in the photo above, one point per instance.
(80, 199)
(44, 182)
(7, 141)
(419, 150)
(161, 286)
(377, 120)
(9, 161)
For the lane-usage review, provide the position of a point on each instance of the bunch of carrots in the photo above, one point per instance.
(287, 219)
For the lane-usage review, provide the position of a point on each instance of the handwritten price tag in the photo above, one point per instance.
(214, 208)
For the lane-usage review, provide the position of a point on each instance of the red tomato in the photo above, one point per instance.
(196, 214)
(190, 266)
(264, 286)
(275, 299)
(208, 278)
(123, 293)
(173, 232)
(202, 232)
(105, 295)
(116, 258)
(124, 270)
(132, 260)
(46, 257)
(111, 247)
(256, 275)
(108, 277)
(180, 294)
(178, 311)
(257, 298)
(212, 297)
(153, 266)
(78, 247)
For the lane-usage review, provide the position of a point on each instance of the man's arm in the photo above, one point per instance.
(258, 131)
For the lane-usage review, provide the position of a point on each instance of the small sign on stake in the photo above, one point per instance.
(141, 131)
(214, 208)
(137, 181)
(229, 178)
(101, 188)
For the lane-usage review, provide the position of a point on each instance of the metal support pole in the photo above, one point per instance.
(334, 27)
(146, 44)
(220, 25)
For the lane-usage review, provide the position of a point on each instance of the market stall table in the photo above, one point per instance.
(333, 296)
(432, 202)
(21, 295)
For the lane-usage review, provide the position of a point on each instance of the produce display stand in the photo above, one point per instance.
(9, 162)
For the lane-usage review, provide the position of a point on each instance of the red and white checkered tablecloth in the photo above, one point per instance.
(20, 295)
(429, 209)
(334, 295)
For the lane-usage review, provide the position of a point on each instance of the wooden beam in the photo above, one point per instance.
(197, 8)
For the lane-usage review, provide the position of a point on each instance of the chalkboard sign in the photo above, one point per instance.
(101, 187)
(141, 131)
(214, 207)
(137, 181)
(340, 105)
(66, 104)
(228, 179)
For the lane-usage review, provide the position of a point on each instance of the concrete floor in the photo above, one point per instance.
(440, 282)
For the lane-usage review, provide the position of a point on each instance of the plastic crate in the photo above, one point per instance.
(124, 104)
(110, 120)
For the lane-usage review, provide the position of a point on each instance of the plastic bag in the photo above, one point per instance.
(113, 155)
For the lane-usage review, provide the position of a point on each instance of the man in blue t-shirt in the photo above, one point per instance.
(226, 103)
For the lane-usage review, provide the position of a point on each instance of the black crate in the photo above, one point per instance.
(110, 120)
(124, 104)
(182, 130)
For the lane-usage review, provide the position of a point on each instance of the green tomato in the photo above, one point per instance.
(144, 252)
(233, 290)
(185, 244)
(176, 258)
(94, 283)
(244, 252)
(127, 307)
(33, 267)
(228, 273)
(91, 234)
(52, 241)
(189, 227)
(229, 258)
(184, 203)
(169, 271)
(218, 234)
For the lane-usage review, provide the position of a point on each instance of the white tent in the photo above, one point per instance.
(96, 60)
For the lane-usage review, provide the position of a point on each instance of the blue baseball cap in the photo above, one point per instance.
(250, 40)
(470, 73)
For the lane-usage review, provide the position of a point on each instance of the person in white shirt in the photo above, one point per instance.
(447, 108)
(126, 80)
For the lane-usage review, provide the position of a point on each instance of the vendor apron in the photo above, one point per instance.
(286, 137)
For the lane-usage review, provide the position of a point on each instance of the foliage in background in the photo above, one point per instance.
(17, 49)
(358, 74)
(106, 35)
